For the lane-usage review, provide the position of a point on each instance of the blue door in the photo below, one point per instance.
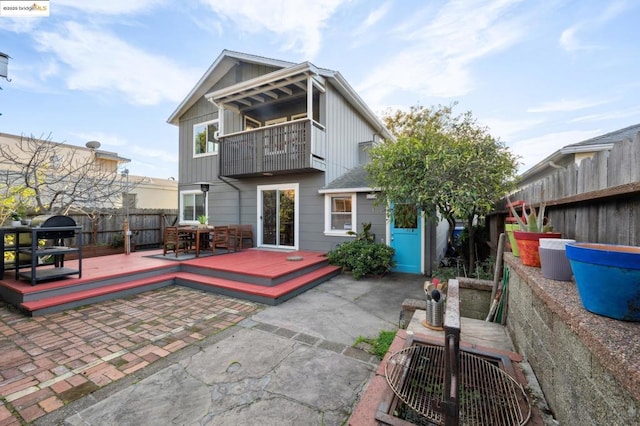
(406, 238)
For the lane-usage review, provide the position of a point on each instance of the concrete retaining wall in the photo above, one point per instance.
(585, 363)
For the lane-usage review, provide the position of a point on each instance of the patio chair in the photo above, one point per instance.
(243, 232)
(222, 239)
(175, 241)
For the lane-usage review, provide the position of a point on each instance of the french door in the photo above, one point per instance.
(278, 216)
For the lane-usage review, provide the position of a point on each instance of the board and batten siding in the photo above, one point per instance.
(224, 208)
(345, 130)
(203, 168)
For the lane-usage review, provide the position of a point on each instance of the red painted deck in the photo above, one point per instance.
(260, 263)
(260, 275)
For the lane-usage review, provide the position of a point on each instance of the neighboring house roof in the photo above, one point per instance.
(228, 59)
(603, 141)
(354, 180)
(567, 154)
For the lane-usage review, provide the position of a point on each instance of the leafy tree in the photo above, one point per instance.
(14, 200)
(443, 163)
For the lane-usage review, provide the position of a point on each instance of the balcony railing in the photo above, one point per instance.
(282, 148)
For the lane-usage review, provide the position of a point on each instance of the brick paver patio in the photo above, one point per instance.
(49, 361)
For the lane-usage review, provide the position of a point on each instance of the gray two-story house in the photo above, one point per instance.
(281, 146)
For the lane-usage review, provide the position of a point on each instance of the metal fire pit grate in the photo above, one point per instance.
(488, 395)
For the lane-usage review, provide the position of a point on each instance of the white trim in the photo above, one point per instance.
(193, 138)
(259, 226)
(274, 121)
(253, 121)
(341, 190)
(328, 210)
(281, 74)
(181, 194)
(578, 149)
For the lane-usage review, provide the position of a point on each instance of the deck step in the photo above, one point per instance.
(84, 297)
(274, 275)
(271, 295)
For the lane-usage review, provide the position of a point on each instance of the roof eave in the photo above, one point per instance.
(263, 79)
(578, 149)
(214, 74)
(345, 190)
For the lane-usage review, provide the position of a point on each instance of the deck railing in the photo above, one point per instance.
(291, 146)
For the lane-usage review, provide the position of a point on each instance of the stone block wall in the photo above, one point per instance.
(586, 367)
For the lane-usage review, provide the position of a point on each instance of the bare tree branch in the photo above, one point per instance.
(62, 177)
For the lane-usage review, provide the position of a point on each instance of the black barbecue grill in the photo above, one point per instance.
(47, 259)
(54, 221)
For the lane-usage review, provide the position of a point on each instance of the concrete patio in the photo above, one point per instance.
(181, 355)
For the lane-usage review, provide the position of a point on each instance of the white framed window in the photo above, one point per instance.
(251, 123)
(340, 214)
(205, 140)
(192, 205)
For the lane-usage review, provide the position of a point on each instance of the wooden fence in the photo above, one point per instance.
(597, 201)
(147, 226)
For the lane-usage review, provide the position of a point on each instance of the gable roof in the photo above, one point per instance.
(605, 141)
(599, 143)
(354, 180)
(228, 59)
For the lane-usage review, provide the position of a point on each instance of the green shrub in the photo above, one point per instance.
(363, 257)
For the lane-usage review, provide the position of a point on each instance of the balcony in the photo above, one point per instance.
(291, 147)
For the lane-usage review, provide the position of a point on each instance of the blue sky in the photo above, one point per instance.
(539, 74)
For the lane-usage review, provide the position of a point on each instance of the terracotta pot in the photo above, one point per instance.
(528, 244)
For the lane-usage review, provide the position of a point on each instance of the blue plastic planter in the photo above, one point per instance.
(608, 278)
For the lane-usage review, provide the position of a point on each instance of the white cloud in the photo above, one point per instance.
(609, 115)
(536, 149)
(111, 7)
(156, 154)
(507, 129)
(571, 42)
(373, 18)
(297, 23)
(102, 62)
(436, 57)
(565, 105)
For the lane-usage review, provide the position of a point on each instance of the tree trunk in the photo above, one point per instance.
(472, 246)
(452, 226)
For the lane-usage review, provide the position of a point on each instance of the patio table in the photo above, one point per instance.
(200, 235)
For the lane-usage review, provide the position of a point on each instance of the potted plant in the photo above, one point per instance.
(15, 219)
(533, 226)
(202, 220)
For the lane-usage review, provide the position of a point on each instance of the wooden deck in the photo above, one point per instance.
(262, 276)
